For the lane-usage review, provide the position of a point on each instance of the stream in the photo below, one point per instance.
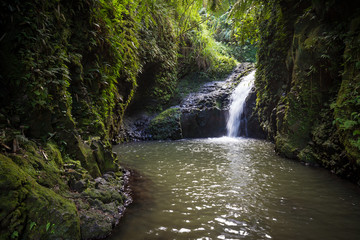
(232, 188)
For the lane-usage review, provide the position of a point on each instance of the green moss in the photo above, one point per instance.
(272, 69)
(54, 153)
(10, 181)
(87, 159)
(284, 147)
(347, 114)
(103, 195)
(104, 158)
(166, 125)
(301, 53)
(307, 155)
(24, 201)
(44, 165)
(54, 215)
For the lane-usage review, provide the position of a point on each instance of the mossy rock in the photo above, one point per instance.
(55, 154)
(308, 156)
(88, 161)
(96, 157)
(104, 157)
(42, 164)
(31, 211)
(166, 125)
(284, 147)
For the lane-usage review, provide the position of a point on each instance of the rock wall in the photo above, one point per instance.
(254, 129)
(308, 83)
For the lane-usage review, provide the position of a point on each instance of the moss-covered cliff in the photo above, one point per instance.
(69, 71)
(308, 82)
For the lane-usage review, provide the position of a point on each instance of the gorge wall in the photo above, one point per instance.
(309, 84)
(68, 72)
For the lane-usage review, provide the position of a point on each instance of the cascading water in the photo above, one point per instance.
(237, 103)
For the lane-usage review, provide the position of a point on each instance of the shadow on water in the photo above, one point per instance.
(140, 188)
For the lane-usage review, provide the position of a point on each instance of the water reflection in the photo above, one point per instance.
(226, 188)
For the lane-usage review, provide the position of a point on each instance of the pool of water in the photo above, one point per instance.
(227, 188)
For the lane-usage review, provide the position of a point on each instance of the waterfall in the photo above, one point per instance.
(237, 102)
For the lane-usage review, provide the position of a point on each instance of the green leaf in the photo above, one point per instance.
(14, 235)
(52, 228)
(333, 105)
(48, 226)
(348, 124)
(357, 65)
(32, 225)
(356, 132)
(355, 143)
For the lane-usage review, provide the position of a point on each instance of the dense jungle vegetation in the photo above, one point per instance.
(71, 69)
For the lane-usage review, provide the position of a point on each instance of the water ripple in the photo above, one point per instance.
(233, 188)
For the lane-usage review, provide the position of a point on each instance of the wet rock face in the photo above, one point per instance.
(303, 101)
(204, 114)
(135, 127)
(254, 129)
(216, 94)
(209, 123)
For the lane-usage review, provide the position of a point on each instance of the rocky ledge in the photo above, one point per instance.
(204, 113)
(101, 203)
(47, 195)
(200, 114)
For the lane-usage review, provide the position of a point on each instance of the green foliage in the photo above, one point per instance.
(198, 49)
(158, 53)
(77, 63)
(185, 15)
(224, 32)
(249, 15)
(81, 64)
(271, 73)
(77, 67)
(348, 119)
(50, 227)
(32, 225)
(23, 198)
(111, 79)
(346, 108)
(177, 41)
(15, 235)
(208, 54)
(306, 60)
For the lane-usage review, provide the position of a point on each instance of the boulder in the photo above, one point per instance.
(205, 123)
(166, 125)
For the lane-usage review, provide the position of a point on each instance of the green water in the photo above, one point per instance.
(224, 188)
